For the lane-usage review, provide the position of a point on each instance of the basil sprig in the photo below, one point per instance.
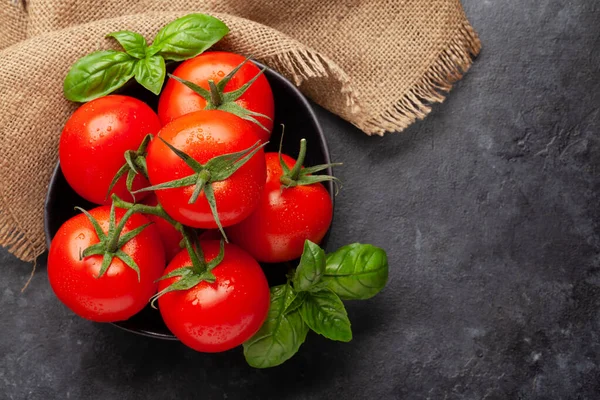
(103, 72)
(311, 300)
(311, 268)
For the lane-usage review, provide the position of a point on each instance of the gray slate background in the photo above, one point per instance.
(489, 210)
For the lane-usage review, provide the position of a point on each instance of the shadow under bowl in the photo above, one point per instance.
(291, 110)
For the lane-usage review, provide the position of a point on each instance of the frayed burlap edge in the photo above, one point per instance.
(300, 64)
(297, 64)
(15, 240)
(448, 68)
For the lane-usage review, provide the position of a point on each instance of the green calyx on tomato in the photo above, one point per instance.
(216, 169)
(311, 300)
(217, 99)
(135, 163)
(111, 242)
(191, 275)
(298, 175)
(199, 268)
(102, 72)
(217, 316)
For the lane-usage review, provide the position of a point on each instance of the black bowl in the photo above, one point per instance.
(291, 109)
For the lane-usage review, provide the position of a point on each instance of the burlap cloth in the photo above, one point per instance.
(375, 63)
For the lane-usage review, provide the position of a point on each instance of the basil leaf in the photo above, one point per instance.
(187, 37)
(311, 267)
(280, 336)
(295, 304)
(97, 75)
(356, 271)
(133, 43)
(324, 313)
(150, 73)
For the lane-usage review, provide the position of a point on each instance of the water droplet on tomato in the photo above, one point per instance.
(81, 236)
(221, 74)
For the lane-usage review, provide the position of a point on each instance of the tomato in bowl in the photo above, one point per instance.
(291, 109)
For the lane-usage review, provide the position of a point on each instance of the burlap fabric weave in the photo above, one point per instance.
(377, 63)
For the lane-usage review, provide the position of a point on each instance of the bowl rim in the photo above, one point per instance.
(270, 73)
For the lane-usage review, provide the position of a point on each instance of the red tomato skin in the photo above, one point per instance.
(94, 140)
(214, 317)
(204, 135)
(176, 99)
(117, 295)
(170, 236)
(276, 230)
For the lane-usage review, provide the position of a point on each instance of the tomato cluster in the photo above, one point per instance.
(158, 179)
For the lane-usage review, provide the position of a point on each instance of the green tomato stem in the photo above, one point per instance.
(145, 209)
(111, 247)
(295, 171)
(193, 248)
(189, 238)
(215, 96)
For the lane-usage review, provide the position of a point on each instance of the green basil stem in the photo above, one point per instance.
(290, 179)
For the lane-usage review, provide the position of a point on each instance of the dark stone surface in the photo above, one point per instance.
(489, 210)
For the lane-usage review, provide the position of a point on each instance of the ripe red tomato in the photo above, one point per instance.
(213, 317)
(204, 135)
(117, 295)
(168, 234)
(284, 219)
(176, 99)
(94, 140)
